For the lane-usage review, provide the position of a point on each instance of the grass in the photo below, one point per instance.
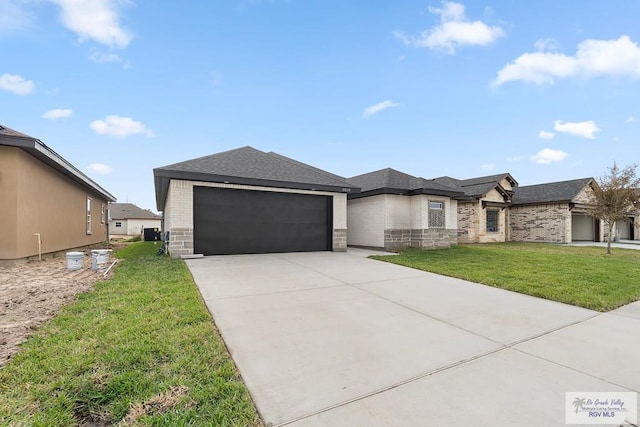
(581, 276)
(140, 349)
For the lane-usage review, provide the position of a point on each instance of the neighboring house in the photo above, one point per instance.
(395, 210)
(127, 219)
(44, 196)
(629, 228)
(248, 201)
(483, 210)
(556, 212)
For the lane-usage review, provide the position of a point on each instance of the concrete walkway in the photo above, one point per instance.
(336, 339)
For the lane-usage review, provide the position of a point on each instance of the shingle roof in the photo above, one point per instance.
(249, 166)
(562, 191)
(40, 151)
(130, 211)
(476, 187)
(392, 181)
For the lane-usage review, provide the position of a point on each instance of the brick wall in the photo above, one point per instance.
(366, 221)
(541, 223)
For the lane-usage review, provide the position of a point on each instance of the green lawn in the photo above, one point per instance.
(582, 276)
(140, 349)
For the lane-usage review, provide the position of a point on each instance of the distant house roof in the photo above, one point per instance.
(552, 192)
(249, 166)
(475, 188)
(391, 181)
(36, 148)
(130, 211)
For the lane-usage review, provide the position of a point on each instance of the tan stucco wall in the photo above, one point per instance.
(36, 199)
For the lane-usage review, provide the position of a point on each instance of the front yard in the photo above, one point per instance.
(582, 276)
(139, 349)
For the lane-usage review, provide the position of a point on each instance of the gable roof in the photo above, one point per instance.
(249, 166)
(37, 149)
(130, 211)
(474, 188)
(391, 181)
(552, 192)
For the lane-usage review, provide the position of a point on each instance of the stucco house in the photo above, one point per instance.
(249, 201)
(46, 203)
(483, 208)
(395, 210)
(127, 219)
(555, 212)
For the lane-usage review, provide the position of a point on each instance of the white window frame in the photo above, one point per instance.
(103, 212)
(89, 231)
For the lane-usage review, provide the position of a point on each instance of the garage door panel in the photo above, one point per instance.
(228, 221)
(582, 228)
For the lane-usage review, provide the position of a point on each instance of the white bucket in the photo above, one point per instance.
(99, 259)
(75, 261)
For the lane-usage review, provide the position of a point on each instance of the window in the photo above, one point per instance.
(88, 215)
(436, 215)
(118, 224)
(492, 221)
(103, 212)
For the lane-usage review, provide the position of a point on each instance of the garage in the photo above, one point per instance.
(625, 229)
(584, 228)
(231, 221)
(247, 201)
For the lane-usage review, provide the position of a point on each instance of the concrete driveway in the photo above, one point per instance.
(336, 339)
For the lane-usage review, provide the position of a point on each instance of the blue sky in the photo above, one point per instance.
(117, 87)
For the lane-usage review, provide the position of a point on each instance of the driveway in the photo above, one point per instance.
(337, 339)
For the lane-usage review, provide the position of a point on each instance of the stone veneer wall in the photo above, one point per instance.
(339, 240)
(180, 241)
(541, 223)
(433, 238)
(428, 238)
(468, 222)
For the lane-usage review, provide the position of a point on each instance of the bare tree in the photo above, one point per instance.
(616, 197)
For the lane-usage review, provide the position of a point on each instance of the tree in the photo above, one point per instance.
(616, 197)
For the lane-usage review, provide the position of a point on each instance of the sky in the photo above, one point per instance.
(546, 92)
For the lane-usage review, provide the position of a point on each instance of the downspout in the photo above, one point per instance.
(39, 246)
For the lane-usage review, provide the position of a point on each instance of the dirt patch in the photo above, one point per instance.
(32, 292)
(157, 405)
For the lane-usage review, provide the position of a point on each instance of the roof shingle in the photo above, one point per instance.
(561, 191)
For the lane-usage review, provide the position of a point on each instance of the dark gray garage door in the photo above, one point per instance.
(228, 221)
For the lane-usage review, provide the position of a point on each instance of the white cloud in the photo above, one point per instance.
(488, 166)
(102, 57)
(547, 45)
(515, 158)
(58, 113)
(586, 129)
(630, 119)
(454, 31)
(548, 155)
(120, 127)
(16, 84)
(96, 20)
(376, 108)
(99, 168)
(13, 16)
(593, 58)
(543, 134)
